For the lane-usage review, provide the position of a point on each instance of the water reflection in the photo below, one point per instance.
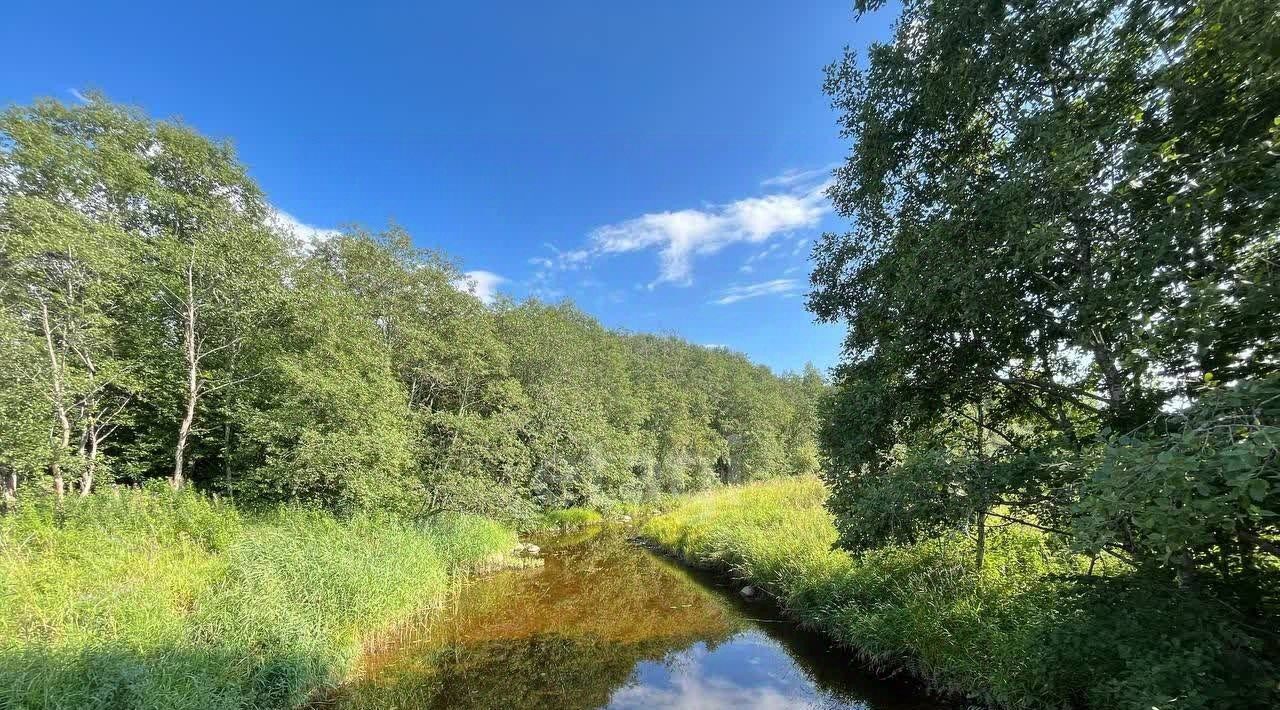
(607, 624)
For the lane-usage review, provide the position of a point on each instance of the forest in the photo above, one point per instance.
(160, 323)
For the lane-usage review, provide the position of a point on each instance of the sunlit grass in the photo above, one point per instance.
(164, 601)
(1026, 632)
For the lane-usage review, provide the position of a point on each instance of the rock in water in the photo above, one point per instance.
(749, 592)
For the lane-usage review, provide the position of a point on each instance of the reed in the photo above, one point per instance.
(162, 600)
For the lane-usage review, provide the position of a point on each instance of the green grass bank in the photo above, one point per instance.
(162, 600)
(1032, 630)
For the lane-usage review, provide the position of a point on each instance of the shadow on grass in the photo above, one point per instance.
(1126, 641)
(118, 678)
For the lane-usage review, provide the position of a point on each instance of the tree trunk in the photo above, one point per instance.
(184, 433)
(59, 486)
(1187, 572)
(981, 441)
(59, 405)
(193, 383)
(226, 454)
(90, 465)
(9, 484)
(982, 540)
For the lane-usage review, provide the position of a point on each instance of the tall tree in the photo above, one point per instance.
(106, 180)
(60, 274)
(1065, 219)
(23, 438)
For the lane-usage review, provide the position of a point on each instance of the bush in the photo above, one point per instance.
(1031, 630)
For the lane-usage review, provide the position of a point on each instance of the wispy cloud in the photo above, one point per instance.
(306, 234)
(733, 294)
(680, 236)
(79, 96)
(797, 177)
(482, 284)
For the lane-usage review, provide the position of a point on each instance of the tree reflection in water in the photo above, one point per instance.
(607, 624)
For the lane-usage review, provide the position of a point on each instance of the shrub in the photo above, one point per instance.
(1031, 630)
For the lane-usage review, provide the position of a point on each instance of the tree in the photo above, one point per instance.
(183, 233)
(1065, 218)
(158, 322)
(60, 272)
(444, 349)
(23, 439)
(326, 423)
(1200, 489)
(584, 416)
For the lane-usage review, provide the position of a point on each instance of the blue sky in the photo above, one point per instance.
(660, 163)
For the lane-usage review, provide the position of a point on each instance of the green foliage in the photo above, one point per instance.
(1192, 481)
(1029, 630)
(327, 423)
(1065, 224)
(160, 327)
(158, 320)
(164, 600)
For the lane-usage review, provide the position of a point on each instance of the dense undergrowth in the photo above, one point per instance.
(1033, 630)
(161, 600)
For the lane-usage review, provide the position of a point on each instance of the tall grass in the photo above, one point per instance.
(155, 600)
(570, 518)
(1031, 630)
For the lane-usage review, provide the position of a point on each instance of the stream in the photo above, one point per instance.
(606, 623)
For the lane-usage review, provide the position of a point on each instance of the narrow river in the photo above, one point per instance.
(608, 624)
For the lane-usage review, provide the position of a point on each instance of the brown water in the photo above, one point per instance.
(608, 624)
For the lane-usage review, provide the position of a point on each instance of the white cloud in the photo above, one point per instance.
(691, 679)
(765, 254)
(733, 294)
(482, 284)
(794, 176)
(681, 235)
(305, 233)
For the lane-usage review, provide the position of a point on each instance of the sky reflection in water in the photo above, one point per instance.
(750, 670)
(608, 624)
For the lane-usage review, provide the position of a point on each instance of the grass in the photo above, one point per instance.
(156, 600)
(1029, 631)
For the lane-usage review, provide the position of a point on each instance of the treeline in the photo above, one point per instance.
(1062, 293)
(159, 322)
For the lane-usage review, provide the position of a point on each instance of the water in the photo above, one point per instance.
(607, 624)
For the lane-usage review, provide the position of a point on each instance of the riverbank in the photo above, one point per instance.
(605, 623)
(161, 600)
(1029, 631)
